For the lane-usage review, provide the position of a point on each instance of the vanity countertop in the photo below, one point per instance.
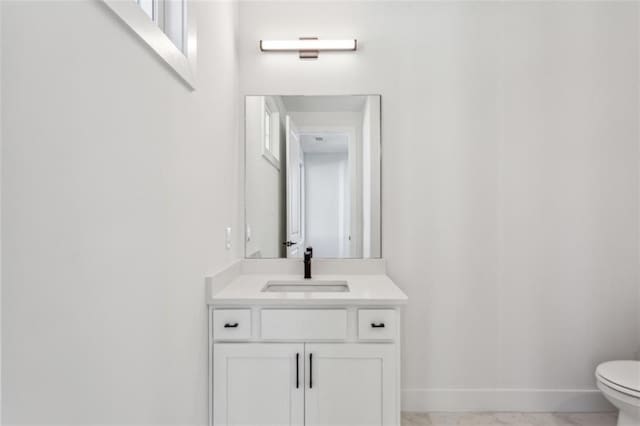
(369, 290)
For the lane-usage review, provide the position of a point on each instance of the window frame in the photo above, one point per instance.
(182, 62)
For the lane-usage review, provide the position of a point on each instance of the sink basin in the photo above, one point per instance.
(306, 286)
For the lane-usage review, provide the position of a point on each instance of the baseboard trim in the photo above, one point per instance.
(526, 400)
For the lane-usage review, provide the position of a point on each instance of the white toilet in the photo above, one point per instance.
(619, 381)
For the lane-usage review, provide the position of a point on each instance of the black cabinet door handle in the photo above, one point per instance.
(231, 325)
(310, 371)
(297, 370)
(378, 325)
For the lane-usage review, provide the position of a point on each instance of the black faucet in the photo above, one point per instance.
(308, 254)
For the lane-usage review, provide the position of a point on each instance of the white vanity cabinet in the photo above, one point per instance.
(305, 366)
(258, 384)
(351, 384)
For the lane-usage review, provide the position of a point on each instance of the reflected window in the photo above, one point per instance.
(267, 129)
(271, 132)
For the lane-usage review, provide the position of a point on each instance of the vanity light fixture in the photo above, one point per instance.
(308, 47)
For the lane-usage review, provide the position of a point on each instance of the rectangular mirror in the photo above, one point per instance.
(312, 176)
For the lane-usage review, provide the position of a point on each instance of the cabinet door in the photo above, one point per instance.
(351, 384)
(258, 384)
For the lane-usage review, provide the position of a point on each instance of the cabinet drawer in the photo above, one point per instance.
(232, 324)
(304, 324)
(376, 324)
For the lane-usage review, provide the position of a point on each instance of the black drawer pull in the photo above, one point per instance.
(310, 371)
(379, 325)
(297, 370)
(231, 325)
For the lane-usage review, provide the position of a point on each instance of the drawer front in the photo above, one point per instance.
(232, 324)
(304, 324)
(377, 324)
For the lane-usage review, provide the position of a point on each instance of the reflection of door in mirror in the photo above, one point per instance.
(325, 193)
(295, 192)
(329, 198)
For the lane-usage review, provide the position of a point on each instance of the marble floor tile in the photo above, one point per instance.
(590, 419)
(509, 419)
(416, 419)
(438, 419)
(531, 419)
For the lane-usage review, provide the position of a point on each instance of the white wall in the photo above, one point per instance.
(117, 185)
(510, 189)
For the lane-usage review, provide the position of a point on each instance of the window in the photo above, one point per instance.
(271, 133)
(147, 6)
(169, 16)
(167, 27)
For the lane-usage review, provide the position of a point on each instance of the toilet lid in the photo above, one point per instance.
(625, 374)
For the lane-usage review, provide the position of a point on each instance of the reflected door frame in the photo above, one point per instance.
(295, 185)
(352, 238)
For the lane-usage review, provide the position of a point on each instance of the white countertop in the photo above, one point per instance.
(370, 290)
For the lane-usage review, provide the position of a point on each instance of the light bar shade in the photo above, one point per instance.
(307, 45)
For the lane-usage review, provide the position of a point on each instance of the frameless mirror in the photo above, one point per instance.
(312, 176)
